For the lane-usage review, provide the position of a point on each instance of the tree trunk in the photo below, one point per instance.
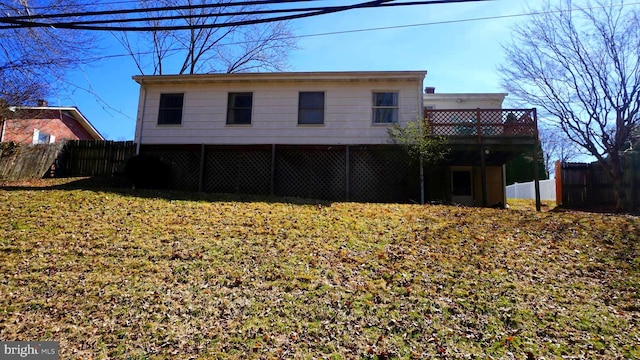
(617, 176)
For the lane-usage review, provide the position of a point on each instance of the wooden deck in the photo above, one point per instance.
(487, 137)
(484, 126)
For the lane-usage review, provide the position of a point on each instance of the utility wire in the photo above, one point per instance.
(341, 32)
(22, 23)
(153, 9)
(17, 22)
(195, 16)
(242, 13)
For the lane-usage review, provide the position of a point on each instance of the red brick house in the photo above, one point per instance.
(46, 124)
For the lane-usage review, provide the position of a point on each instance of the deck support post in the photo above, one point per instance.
(347, 170)
(272, 187)
(483, 174)
(536, 177)
(201, 174)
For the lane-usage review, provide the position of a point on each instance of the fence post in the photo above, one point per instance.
(483, 175)
(273, 169)
(201, 173)
(347, 170)
(558, 173)
(479, 128)
(589, 185)
(536, 177)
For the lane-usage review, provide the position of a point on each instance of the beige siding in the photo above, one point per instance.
(464, 101)
(348, 113)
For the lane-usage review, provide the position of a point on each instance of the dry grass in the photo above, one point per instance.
(146, 275)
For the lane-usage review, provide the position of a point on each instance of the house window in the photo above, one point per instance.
(170, 112)
(239, 108)
(385, 107)
(40, 137)
(311, 107)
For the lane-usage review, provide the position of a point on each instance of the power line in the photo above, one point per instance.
(341, 32)
(254, 12)
(26, 21)
(197, 16)
(153, 9)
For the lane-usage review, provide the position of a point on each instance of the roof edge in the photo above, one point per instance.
(75, 113)
(464, 95)
(283, 76)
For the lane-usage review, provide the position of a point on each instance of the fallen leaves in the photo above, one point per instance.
(135, 275)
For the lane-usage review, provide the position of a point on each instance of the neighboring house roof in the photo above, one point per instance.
(283, 76)
(466, 96)
(71, 111)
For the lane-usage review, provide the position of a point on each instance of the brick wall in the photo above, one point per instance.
(52, 122)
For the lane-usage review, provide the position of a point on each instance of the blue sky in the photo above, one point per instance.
(458, 56)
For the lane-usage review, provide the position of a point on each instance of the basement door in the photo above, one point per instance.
(462, 186)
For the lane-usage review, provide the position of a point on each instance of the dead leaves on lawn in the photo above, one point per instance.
(120, 276)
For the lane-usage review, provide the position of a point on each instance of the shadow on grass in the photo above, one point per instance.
(595, 210)
(121, 186)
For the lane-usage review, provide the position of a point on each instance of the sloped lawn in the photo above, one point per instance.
(145, 275)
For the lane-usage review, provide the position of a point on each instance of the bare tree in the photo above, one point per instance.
(230, 49)
(33, 59)
(555, 147)
(634, 140)
(582, 67)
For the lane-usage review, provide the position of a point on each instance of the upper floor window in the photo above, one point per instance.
(239, 108)
(40, 137)
(311, 107)
(385, 107)
(170, 112)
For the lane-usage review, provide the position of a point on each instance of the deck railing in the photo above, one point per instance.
(479, 123)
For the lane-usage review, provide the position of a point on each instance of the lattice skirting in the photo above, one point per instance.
(378, 173)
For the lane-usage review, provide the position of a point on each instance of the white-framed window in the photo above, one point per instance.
(40, 137)
(385, 107)
(239, 107)
(311, 108)
(170, 111)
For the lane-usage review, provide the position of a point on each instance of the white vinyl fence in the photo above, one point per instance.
(527, 190)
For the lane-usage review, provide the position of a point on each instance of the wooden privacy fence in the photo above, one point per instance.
(583, 185)
(71, 158)
(27, 161)
(94, 158)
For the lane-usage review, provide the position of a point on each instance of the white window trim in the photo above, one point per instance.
(324, 108)
(396, 107)
(36, 137)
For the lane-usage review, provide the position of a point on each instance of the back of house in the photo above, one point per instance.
(318, 134)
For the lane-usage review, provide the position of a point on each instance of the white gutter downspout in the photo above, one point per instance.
(141, 104)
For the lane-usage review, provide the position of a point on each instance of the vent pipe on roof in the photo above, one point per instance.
(42, 103)
(429, 90)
